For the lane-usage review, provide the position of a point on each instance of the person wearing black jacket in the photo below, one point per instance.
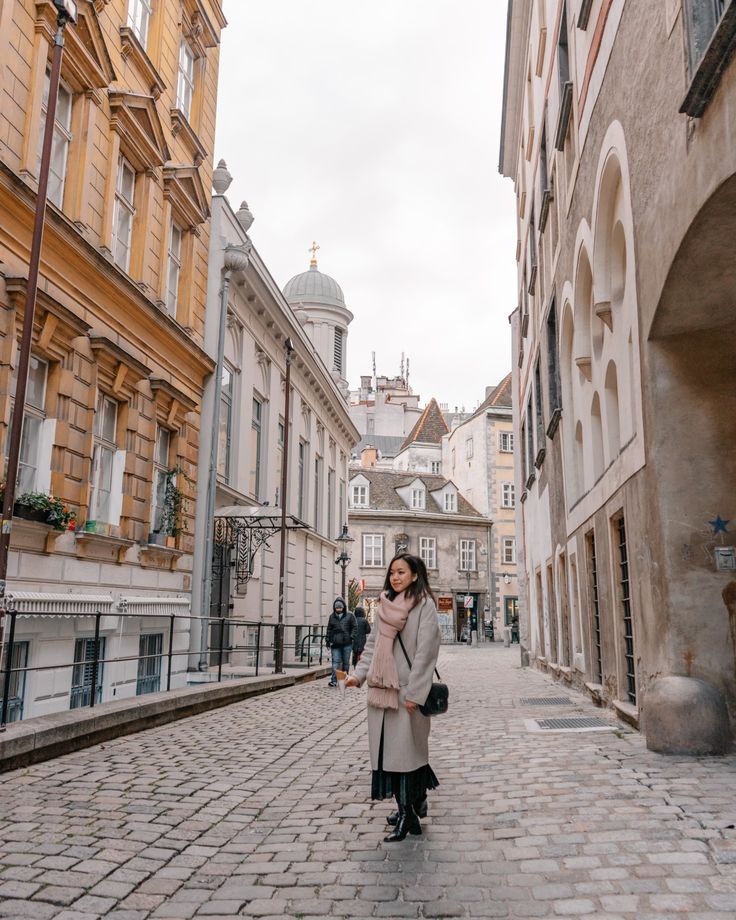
(339, 638)
(362, 628)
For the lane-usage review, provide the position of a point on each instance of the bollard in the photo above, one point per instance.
(506, 636)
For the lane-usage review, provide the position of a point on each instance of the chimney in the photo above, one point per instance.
(368, 458)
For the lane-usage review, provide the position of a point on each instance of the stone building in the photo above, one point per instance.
(478, 454)
(384, 410)
(248, 425)
(111, 424)
(616, 131)
(424, 514)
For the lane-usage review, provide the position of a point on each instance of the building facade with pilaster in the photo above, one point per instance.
(118, 364)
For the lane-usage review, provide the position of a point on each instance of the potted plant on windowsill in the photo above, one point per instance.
(170, 521)
(45, 509)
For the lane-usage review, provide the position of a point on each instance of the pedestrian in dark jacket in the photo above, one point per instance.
(339, 638)
(362, 628)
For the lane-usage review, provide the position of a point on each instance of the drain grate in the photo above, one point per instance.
(546, 701)
(585, 724)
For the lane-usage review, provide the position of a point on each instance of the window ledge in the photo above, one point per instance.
(627, 712)
(539, 459)
(716, 58)
(596, 692)
(107, 549)
(564, 117)
(524, 496)
(530, 480)
(544, 208)
(180, 125)
(155, 556)
(554, 423)
(584, 14)
(532, 277)
(131, 47)
(30, 535)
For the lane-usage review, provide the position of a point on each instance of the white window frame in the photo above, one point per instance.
(467, 556)
(225, 413)
(61, 141)
(124, 211)
(428, 551)
(185, 80)
(174, 268)
(161, 452)
(139, 19)
(508, 551)
(359, 496)
(469, 448)
(418, 499)
(34, 416)
(508, 495)
(506, 442)
(339, 351)
(435, 467)
(449, 503)
(373, 545)
(101, 509)
(256, 445)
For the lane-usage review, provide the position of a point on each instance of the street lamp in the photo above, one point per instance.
(66, 12)
(343, 540)
(279, 639)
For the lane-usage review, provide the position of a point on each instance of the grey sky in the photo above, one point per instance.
(373, 129)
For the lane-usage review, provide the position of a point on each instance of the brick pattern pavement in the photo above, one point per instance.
(261, 809)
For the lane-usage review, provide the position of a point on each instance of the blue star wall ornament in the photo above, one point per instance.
(719, 525)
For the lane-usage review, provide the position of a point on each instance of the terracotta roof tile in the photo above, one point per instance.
(429, 428)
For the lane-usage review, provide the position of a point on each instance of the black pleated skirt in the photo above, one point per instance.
(406, 788)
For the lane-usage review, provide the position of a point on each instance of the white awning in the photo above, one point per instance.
(157, 606)
(40, 603)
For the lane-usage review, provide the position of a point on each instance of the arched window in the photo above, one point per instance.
(596, 437)
(613, 425)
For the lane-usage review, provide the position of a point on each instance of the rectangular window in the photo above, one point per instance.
(428, 551)
(449, 501)
(529, 439)
(435, 467)
(625, 598)
(359, 496)
(341, 509)
(507, 495)
(124, 213)
(339, 355)
(595, 608)
(61, 140)
(318, 494)
(185, 85)
(330, 503)
(17, 689)
(33, 419)
(508, 551)
(172, 289)
(467, 556)
(373, 550)
(539, 408)
(301, 482)
(453, 459)
(553, 367)
(160, 475)
(256, 424)
(417, 499)
(279, 461)
(139, 17)
(565, 83)
(149, 664)
(506, 442)
(84, 658)
(105, 447)
(468, 448)
(225, 424)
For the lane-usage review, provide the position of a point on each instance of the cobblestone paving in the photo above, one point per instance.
(261, 810)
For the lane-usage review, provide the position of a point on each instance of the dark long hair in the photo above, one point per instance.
(418, 589)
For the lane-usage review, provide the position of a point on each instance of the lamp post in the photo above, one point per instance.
(279, 638)
(66, 12)
(343, 540)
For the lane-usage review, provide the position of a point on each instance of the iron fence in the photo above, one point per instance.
(88, 670)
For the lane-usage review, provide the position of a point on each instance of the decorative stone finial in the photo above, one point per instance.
(221, 178)
(244, 216)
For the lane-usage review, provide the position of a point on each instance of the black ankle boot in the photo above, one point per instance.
(407, 823)
(420, 807)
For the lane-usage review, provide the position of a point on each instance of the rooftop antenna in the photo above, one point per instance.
(375, 376)
(402, 365)
(407, 373)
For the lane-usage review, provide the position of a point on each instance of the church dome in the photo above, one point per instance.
(314, 287)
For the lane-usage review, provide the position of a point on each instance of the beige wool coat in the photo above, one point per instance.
(406, 735)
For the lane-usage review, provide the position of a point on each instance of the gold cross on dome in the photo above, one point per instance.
(314, 248)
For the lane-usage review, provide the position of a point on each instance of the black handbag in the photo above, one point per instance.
(438, 700)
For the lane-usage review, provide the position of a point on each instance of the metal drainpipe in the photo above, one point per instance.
(236, 259)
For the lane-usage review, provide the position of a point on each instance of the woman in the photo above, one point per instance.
(398, 733)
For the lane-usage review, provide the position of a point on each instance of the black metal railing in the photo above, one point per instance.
(259, 654)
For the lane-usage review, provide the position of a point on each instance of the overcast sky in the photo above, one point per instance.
(374, 130)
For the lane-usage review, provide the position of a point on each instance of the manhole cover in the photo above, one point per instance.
(590, 724)
(546, 701)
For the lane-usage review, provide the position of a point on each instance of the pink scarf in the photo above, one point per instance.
(383, 678)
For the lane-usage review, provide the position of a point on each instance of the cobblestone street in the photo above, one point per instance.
(262, 809)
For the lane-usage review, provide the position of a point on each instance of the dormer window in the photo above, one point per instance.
(359, 496)
(418, 499)
(450, 503)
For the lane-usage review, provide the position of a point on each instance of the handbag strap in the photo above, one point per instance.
(408, 660)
